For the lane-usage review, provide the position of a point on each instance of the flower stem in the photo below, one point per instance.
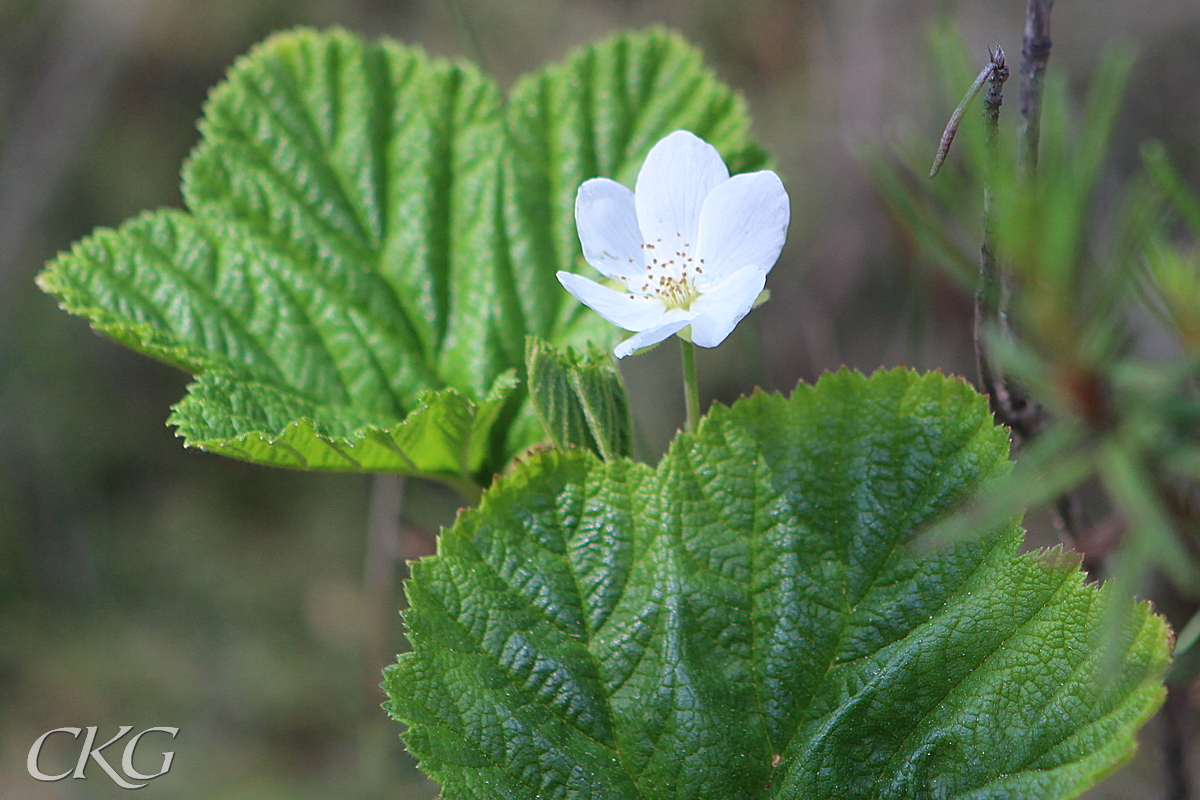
(691, 392)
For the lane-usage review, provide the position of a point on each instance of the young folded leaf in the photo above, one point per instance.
(580, 400)
(748, 621)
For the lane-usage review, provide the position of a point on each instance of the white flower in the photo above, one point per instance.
(691, 246)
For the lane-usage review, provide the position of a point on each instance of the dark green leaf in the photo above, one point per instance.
(747, 620)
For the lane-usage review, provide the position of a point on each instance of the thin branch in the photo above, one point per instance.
(1011, 403)
(991, 292)
(1035, 54)
(1023, 413)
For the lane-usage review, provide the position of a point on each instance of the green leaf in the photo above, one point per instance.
(580, 400)
(371, 235)
(747, 620)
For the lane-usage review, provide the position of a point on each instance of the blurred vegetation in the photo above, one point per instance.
(141, 584)
(1086, 308)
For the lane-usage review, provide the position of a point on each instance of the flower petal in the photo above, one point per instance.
(743, 223)
(677, 175)
(651, 337)
(608, 229)
(722, 307)
(631, 312)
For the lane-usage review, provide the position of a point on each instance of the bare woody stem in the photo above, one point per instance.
(1018, 410)
(991, 290)
(1035, 54)
(1010, 402)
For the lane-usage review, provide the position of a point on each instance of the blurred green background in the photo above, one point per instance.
(253, 608)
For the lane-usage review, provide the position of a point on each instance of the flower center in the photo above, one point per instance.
(671, 272)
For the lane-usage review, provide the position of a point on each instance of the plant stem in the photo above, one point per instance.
(691, 391)
(989, 294)
(1010, 402)
(1020, 411)
(380, 559)
(1035, 54)
(381, 556)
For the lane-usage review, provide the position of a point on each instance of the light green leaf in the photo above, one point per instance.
(748, 621)
(370, 237)
(579, 399)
